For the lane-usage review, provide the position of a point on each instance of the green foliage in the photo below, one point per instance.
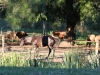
(23, 14)
(93, 25)
(86, 9)
(19, 13)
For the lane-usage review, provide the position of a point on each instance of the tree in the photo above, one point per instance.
(64, 10)
(2, 9)
(71, 11)
(24, 13)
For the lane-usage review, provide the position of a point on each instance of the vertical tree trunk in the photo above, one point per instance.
(72, 19)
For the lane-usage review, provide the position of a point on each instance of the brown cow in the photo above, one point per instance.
(60, 34)
(9, 35)
(97, 38)
(14, 35)
(70, 36)
(90, 38)
(21, 34)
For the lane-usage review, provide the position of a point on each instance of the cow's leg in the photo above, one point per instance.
(89, 44)
(51, 50)
(86, 44)
(35, 47)
(37, 51)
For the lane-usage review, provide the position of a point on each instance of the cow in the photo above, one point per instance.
(70, 36)
(90, 38)
(10, 35)
(21, 34)
(60, 34)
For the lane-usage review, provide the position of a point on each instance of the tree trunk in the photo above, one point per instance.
(72, 19)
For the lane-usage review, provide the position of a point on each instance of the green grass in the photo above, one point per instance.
(74, 63)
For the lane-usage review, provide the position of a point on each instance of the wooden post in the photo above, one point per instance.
(3, 43)
(96, 47)
(96, 52)
(44, 28)
(1, 29)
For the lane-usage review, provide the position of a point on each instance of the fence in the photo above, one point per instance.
(96, 45)
(96, 50)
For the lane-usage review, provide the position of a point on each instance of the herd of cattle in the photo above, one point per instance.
(18, 35)
(12, 35)
(90, 38)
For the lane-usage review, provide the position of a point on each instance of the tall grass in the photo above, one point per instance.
(70, 60)
(80, 60)
(13, 59)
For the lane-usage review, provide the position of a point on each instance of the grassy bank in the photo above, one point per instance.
(73, 64)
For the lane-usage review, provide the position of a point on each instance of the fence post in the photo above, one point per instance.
(3, 43)
(96, 51)
(97, 47)
(44, 28)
